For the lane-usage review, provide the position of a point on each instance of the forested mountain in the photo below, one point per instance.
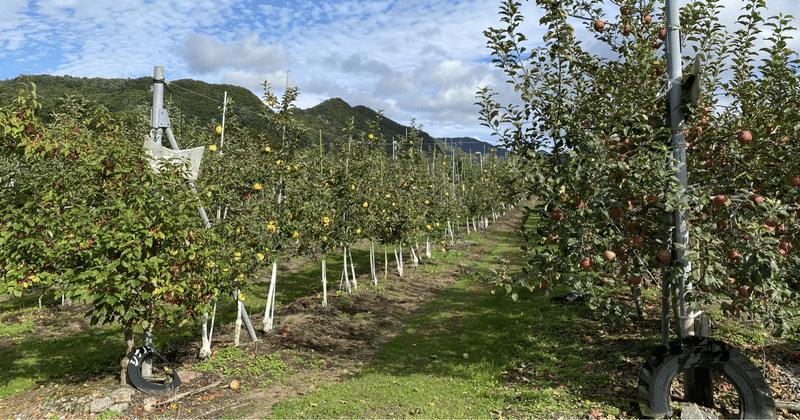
(197, 102)
(190, 99)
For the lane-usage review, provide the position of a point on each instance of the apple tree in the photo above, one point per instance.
(84, 213)
(591, 123)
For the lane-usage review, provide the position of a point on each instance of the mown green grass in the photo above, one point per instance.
(453, 360)
(473, 353)
(33, 360)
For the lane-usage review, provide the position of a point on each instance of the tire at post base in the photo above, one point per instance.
(755, 395)
(138, 381)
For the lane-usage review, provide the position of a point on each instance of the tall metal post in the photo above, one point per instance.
(697, 382)
(675, 74)
(156, 131)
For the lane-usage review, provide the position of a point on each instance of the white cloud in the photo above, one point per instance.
(205, 55)
(420, 59)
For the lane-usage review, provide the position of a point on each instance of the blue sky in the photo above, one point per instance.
(421, 59)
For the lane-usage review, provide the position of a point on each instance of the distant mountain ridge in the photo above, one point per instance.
(472, 146)
(199, 101)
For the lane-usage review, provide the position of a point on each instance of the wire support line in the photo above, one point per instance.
(238, 108)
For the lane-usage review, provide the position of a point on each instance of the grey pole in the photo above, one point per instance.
(158, 104)
(697, 382)
(681, 239)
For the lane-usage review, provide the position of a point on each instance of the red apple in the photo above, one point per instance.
(662, 34)
(635, 280)
(756, 199)
(624, 11)
(794, 180)
(626, 30)
(637, 240)
(543, 285)
(744, 291)
(784, 247)
(664, 255)
(647, 19)
(733, 254)
(587, 264)
(599, 25)
(720, 200)
(744, 137)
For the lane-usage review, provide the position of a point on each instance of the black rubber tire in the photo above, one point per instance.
(755, 395)
(137, 380)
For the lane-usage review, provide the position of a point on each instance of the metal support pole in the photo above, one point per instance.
(245, 317)
(158, 104)
(200, 209)
(697, 382)
(674, 71)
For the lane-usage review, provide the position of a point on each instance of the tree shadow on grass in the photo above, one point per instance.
(61, 360)
(474, 335)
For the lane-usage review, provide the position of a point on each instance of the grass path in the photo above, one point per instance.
(472, 353)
